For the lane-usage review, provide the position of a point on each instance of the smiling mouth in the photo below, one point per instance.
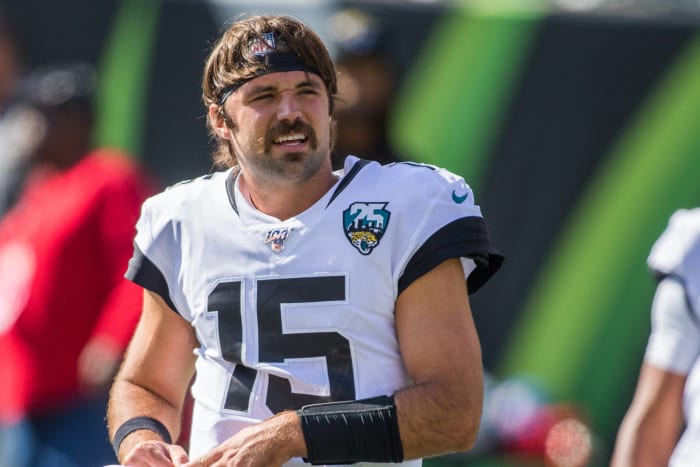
(291, 139)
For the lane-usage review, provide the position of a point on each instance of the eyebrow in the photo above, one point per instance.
(301, 84)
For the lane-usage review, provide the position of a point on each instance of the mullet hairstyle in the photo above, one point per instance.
(232, 61)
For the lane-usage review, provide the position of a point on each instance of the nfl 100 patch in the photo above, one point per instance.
(365, 224)
(275, 238)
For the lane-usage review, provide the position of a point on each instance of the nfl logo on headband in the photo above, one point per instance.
(265, 46)
(272, 60)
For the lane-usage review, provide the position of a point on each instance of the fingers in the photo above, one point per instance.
(178, 455)
(97, 364)
(156, 454)
(201, 462)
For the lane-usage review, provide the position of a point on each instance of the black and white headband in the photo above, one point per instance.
(275, 62)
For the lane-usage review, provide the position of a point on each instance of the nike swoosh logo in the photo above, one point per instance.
(459, 199)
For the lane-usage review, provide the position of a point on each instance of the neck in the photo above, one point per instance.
(289, 200)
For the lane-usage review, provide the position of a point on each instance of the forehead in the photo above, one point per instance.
(281, 80)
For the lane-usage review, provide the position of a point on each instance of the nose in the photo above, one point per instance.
(288, 107)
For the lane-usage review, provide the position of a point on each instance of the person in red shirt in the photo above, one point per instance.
(66, 312)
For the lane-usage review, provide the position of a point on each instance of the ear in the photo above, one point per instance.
(218, 123)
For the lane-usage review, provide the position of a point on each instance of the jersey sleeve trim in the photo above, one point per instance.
(661, 276)
(466, 237)
(673, 342)
(143, 272)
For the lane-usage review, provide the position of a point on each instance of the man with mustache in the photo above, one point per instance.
(324, 315)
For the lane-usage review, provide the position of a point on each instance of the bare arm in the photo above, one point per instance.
(653, 423)
(442, 354)
(152, 382)
(654, 420)
(441, 351)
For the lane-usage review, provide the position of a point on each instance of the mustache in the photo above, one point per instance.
(285, 128)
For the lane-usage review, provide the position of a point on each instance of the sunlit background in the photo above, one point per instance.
(575, 122)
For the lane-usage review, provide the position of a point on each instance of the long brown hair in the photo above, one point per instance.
(232, 61)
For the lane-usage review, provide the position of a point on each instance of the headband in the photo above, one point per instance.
(275, 62)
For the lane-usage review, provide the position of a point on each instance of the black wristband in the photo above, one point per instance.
(365, 430)
(139, 423)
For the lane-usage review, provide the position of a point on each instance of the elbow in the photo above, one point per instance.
(465, 434)
(462, 428)
(468, 413)
(469, 419)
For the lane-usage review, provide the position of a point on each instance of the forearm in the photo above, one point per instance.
(154, 377)
(441, 412)
(436, 418)
(269, 443)
(129, 400)
(641, 445)
(420, 421)
(654, 421)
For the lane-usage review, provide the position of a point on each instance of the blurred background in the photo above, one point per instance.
(574, 121)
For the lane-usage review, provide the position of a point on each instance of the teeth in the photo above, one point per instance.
(292, 137)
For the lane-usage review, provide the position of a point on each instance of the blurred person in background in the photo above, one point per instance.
(667, 395)
(12, 130)
(366, 87)
(10, 58)
(66, 312)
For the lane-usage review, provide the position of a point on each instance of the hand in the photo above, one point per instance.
(267, 444)
(97, 365)
(156, 454)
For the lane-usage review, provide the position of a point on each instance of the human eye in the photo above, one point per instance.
(261, 94)
(308, 91)
(308, 87)
(262, 97)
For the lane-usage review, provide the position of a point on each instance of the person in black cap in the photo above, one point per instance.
(48, 121)
(324, 315)
(366, 87)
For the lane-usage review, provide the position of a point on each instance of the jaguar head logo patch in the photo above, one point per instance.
(364, 225)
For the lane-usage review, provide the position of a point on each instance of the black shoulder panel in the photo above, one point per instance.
(466, 237)
(146, 274)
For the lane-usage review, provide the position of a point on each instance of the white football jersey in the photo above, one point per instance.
(674, 343)
(677, 253)
(301, 311)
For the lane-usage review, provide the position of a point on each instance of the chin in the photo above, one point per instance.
(294, 157)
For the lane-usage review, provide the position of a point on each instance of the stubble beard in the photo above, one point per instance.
(291, 167)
